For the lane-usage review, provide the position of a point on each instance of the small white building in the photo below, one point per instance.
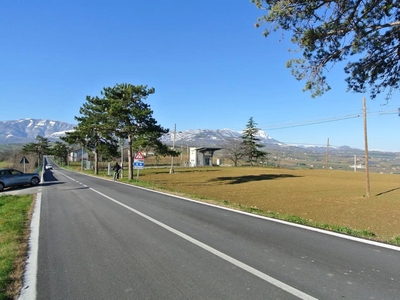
(201, 157)
(78, 155)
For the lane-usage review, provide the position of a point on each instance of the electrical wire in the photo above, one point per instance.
(333, 119)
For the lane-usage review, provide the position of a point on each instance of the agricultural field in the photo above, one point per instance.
(379, 162)
(325, 198)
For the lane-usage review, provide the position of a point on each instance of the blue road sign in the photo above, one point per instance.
(138, 164)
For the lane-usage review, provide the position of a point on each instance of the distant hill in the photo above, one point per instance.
(25, 130)
(210, 137)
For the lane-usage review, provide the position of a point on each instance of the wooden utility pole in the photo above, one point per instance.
(367, 192)
(327, 153)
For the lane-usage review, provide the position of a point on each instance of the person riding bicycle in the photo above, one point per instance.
(117, 170)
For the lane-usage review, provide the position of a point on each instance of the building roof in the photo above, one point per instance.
(203, 149)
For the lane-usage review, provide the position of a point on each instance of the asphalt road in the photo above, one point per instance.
(99, 239)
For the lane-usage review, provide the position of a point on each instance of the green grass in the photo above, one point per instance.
(395, 241)
(302, 221)
(14, 214)
(4, 164)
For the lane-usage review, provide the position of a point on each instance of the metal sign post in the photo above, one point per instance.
(24, 161)
(138, 163)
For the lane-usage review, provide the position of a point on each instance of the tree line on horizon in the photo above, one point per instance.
(247, 148)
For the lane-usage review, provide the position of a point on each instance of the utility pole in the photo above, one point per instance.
(367, 192)
(327, 153)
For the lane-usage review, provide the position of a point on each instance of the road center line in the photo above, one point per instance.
(229, 259)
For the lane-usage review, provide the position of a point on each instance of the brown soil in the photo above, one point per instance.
(322, 196)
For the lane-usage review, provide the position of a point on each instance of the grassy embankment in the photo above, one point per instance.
(15, 214)
(329, 199)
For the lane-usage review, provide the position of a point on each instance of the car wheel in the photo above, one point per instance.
(35, 181)
(1, 186)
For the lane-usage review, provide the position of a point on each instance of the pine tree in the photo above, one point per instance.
(41, 147)
(251, 143)
(94, 131)
(133, 119)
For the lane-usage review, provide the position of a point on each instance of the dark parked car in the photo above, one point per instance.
(11, 177)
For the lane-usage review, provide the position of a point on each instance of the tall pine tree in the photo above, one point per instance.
(40, 148)
(94, 131)
(133, 119)
(251, 143)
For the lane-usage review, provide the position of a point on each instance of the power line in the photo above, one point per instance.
(298, 124)
(333, 119)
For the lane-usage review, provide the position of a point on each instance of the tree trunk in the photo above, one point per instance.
(96, 162)
(130, 162)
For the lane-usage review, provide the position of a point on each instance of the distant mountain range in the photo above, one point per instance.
(25, 130)
(210, 137)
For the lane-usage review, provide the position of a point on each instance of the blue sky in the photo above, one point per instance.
(210, 67)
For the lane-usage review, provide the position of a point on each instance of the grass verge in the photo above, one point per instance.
(15, 212)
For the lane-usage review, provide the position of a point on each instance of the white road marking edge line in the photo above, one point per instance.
(28, 290)
(327, 232)
(231, 260)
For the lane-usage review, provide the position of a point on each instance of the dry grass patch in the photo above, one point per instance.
(321, 196)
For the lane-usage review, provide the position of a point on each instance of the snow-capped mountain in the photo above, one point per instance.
(210, 137)
(26, 130)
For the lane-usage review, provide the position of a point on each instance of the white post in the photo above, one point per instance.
(355, 163)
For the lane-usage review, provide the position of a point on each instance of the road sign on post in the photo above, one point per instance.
(24, 161)
(139, 156)
(138, 163)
